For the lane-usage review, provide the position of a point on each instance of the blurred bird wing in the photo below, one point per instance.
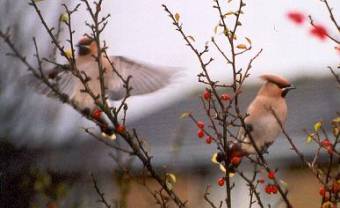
(57, 76)
(144, 78)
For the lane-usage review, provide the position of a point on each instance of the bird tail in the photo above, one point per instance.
(64, 83)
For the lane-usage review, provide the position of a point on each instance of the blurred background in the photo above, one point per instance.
(46, 159)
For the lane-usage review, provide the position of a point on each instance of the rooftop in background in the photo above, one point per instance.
(174, 143)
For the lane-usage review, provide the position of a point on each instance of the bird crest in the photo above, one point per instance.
(278, 80)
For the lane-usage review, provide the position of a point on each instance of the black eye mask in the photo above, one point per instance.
(286, 89)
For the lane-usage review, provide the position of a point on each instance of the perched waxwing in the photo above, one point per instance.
(263, 114)
(144, 79)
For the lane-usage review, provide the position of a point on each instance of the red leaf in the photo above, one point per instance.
(319, 31)
(296, 17)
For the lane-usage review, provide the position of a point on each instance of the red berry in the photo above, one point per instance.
(220, 182)
(319, 31)
(200, 124)
(120, 128)
(225, 97)
(326, 143)
(208, 140)
(268, 189)
(96, 114)
(207, 95)
(200, 133)
(235, 161)
(296, 17)
(271, 174)
(322, 191)
(274, 189)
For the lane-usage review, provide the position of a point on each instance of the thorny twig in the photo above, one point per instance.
(99, 193)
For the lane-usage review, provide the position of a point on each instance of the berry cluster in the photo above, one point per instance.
(269, 188)
(207, 96)
(330, 194)
(201, 132)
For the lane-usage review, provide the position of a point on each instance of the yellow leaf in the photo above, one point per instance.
(317, 126)
(336, 120)
(68, 53)
(234, 36)
(226, 32)
(184, 115)
(64, 18)
(222, 168)
(309, 139)
(216, 28)
(111, 137)
(228, 13)
(191, 38)
(213, 158)
(177, 17)
(170, 180)
(241, 46)
(248, 40)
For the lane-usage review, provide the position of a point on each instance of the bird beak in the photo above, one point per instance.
(287, 89)
(290, 87)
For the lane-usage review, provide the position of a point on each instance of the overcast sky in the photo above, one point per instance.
(142, 30)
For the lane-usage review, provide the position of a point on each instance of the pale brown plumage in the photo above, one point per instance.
(144, 78)
(261, 122)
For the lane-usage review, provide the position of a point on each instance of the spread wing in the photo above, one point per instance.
(144, 78)
(58, 76)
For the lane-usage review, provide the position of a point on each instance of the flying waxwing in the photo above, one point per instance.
(144, 78)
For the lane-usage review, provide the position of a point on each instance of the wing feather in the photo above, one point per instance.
(145, 78)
